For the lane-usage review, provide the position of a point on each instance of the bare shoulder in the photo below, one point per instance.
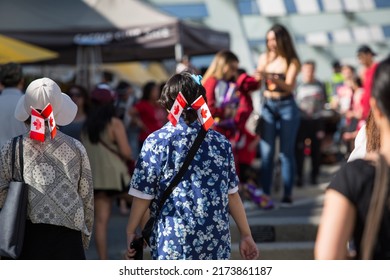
(262, 59)
(116, 123)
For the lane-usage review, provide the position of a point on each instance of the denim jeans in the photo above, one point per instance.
(279, 118)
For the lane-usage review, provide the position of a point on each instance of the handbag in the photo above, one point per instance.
(150, 224)
(14, 212)
(375, 210)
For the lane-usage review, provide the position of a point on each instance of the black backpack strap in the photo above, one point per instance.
(191, 153)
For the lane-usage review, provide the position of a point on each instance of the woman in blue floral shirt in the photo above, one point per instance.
(194, 221)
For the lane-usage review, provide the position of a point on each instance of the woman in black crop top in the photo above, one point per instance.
(277, 69)
(348, 196)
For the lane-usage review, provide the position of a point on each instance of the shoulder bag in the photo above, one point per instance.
(14, 212)
(150, 224)
(375, 210)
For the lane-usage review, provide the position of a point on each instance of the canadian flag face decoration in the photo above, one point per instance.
(37, 128)
(177, 108)
(203, 111)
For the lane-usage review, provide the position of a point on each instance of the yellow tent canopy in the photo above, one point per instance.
(12, 50)
(138, 73)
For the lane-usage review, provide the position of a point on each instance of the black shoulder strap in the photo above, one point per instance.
(13, 156)
(21, 157)
(191, 153)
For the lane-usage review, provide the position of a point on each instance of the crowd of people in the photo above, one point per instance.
(112, 147)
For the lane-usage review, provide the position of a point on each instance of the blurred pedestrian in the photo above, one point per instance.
(146, 111)
(11, 78)
(80, 96)
(278, 68)
(104, 137)
(366, 58)
(311, 98)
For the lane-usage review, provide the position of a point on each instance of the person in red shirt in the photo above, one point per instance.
(147, 109)
(366, 59)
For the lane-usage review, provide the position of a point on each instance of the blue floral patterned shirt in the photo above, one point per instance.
(194, 221)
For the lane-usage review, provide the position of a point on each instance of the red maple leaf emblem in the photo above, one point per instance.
(37, 124)
(203, 112)
(176, 110)
(51, 122)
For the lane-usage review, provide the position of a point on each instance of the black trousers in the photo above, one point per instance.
(50, 242)
(309, 129)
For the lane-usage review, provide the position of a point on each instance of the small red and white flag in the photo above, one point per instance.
(177, 108)
(37, 128)
(48, 114)
(203, 111)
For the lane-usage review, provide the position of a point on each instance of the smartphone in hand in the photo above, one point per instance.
(138, 246)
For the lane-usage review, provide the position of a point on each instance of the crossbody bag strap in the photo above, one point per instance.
(375, 210)
(191, 153)
(111, 149)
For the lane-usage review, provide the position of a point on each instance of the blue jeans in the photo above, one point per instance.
(279, 117)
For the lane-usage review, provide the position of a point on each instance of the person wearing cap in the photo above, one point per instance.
(104, 137)
(366, 59)
(11, 78)
(57, 169)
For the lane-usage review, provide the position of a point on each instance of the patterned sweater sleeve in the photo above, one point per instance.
(86, 194)
(5, 170)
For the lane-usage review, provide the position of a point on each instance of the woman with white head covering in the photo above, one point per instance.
(56, 167)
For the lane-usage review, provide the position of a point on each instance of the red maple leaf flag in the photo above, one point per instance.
(37, 128)
(47, 113)
(203, 111)
(177, 109)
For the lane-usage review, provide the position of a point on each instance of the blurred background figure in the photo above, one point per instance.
(147, 111)
(335, 80)
(104, 137)
(11, 79)
(80, 96)
(219, 82)
(311, 97)
(126, 112)
(185, 65)
(347, 103)
(277, 69)
(366, 58)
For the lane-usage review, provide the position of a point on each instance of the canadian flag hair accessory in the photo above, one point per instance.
(177, 108)
(37, 128)
(203, 111)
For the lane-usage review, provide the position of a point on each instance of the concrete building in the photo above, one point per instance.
(323, 30)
